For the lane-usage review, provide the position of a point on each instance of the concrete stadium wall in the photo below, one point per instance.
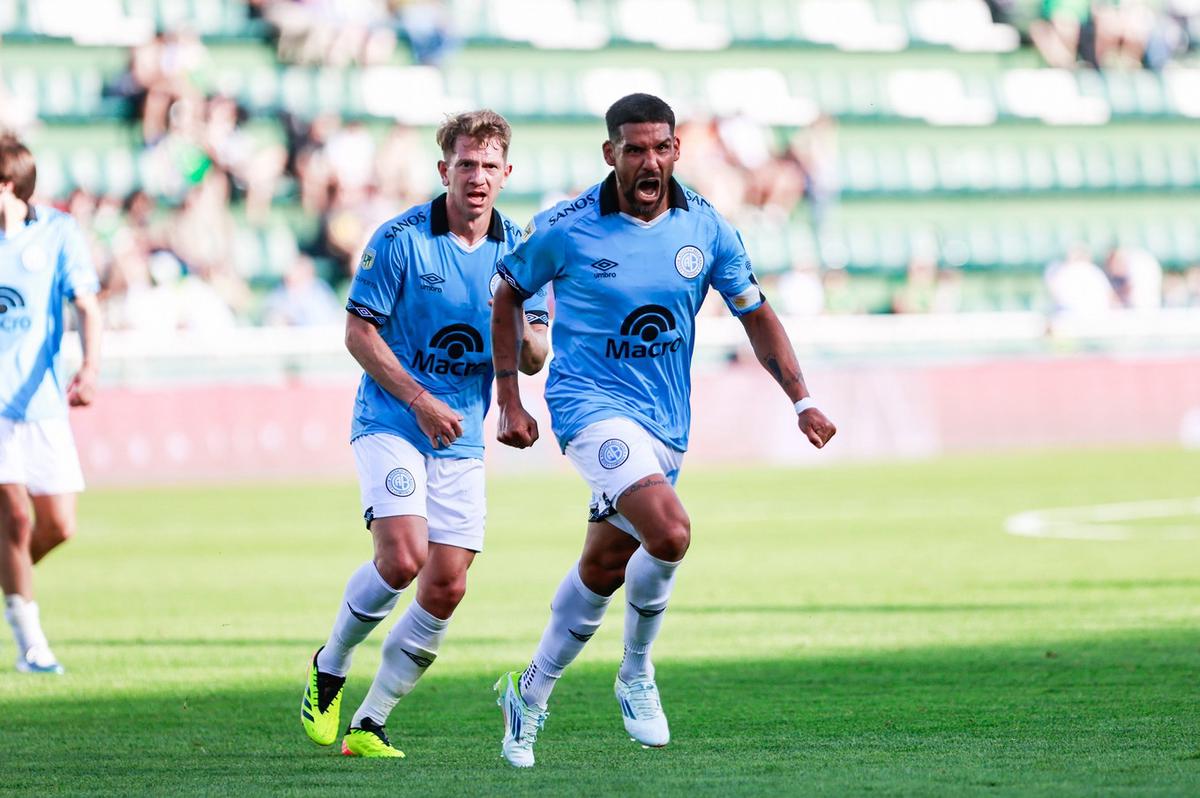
(299, 430)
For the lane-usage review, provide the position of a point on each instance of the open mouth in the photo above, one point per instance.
(647, 189)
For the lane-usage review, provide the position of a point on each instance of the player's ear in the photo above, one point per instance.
(676, 140)
(442, 169)
(610, 153)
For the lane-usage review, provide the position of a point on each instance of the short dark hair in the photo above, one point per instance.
(17, 166)
(636, 108)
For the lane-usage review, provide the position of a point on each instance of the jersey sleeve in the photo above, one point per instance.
(378, 280)
(537, 307)
(75, 263)
(732, 274)
(533, 262)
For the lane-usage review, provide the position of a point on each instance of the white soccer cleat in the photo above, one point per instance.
(642, 711)
(521, 721)
(39, 659)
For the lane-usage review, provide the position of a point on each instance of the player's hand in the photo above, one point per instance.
(517, 428)
(441, 423)
(816, 427)
(81, 390)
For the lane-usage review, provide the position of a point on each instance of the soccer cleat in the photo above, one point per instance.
(321, 704)
(642, 711)
(368, 739)
(39, 659)
(521, 721)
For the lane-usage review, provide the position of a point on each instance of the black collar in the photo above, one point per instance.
(30, 213)
(439, 220)
(608, 196)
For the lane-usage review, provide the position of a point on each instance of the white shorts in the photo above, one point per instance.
(397, 479)
(40, 455)
(613, 454)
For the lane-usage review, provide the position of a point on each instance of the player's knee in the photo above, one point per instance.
(399, 568)
(602, 578)
(671, 540)
(16, 524)
(55, 531)
(441, 599)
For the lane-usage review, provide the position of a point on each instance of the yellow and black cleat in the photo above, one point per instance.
(368, 739)
(322, 704)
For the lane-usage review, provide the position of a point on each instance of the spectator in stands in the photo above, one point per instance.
(254, 168)
(1058, 33)
(816, 150)
(1136, 278)
(916, 295)
(302, 299)
(1076, 285)
(331, 32)
(426, 26)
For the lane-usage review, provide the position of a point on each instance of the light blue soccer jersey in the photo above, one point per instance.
(429, 295)
(626, 295)
(43, 264)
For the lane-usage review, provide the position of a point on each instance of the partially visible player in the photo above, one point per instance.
(631, 260)
(44, 262)
(419, 325)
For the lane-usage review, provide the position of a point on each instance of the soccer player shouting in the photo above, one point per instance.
(44, 261)
(418, 325)
(631, 260)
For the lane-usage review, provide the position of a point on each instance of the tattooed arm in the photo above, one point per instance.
(774, 351)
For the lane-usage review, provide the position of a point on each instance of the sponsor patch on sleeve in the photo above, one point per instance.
(367, 261)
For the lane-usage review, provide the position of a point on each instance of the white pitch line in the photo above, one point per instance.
(1096, 521)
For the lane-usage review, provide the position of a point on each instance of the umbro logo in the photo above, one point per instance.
(430, 282)
(418, 660)
(645, 613)
(604, 268)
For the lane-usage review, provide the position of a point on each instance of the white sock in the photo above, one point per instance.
(367, 601)
(22, 615)
(410, 648)
(575, 615)
(648, 583)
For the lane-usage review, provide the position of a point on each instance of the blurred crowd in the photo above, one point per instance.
(243, 221)
(1110, 33)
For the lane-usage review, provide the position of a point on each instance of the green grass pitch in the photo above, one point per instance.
(835, 631)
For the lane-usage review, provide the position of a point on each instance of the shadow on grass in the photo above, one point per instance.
(1113, 715)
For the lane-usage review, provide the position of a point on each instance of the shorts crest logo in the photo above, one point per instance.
(400, 482)
(613, 453)
(689, 261)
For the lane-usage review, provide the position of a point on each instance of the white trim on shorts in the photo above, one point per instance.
(611, 455)
(395, 478)
(41, 456)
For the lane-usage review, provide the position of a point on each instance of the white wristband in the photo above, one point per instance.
(804, 404)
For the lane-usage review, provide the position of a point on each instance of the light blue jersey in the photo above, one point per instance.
(428, 293)
(626, 295)
(43, 264)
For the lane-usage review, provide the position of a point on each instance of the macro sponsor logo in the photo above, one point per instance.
(431, 281)
(572, 207)
(451, 347)
(11, 305)
(604, 268)
(411, 220)
(695, 199)
(650, 326)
